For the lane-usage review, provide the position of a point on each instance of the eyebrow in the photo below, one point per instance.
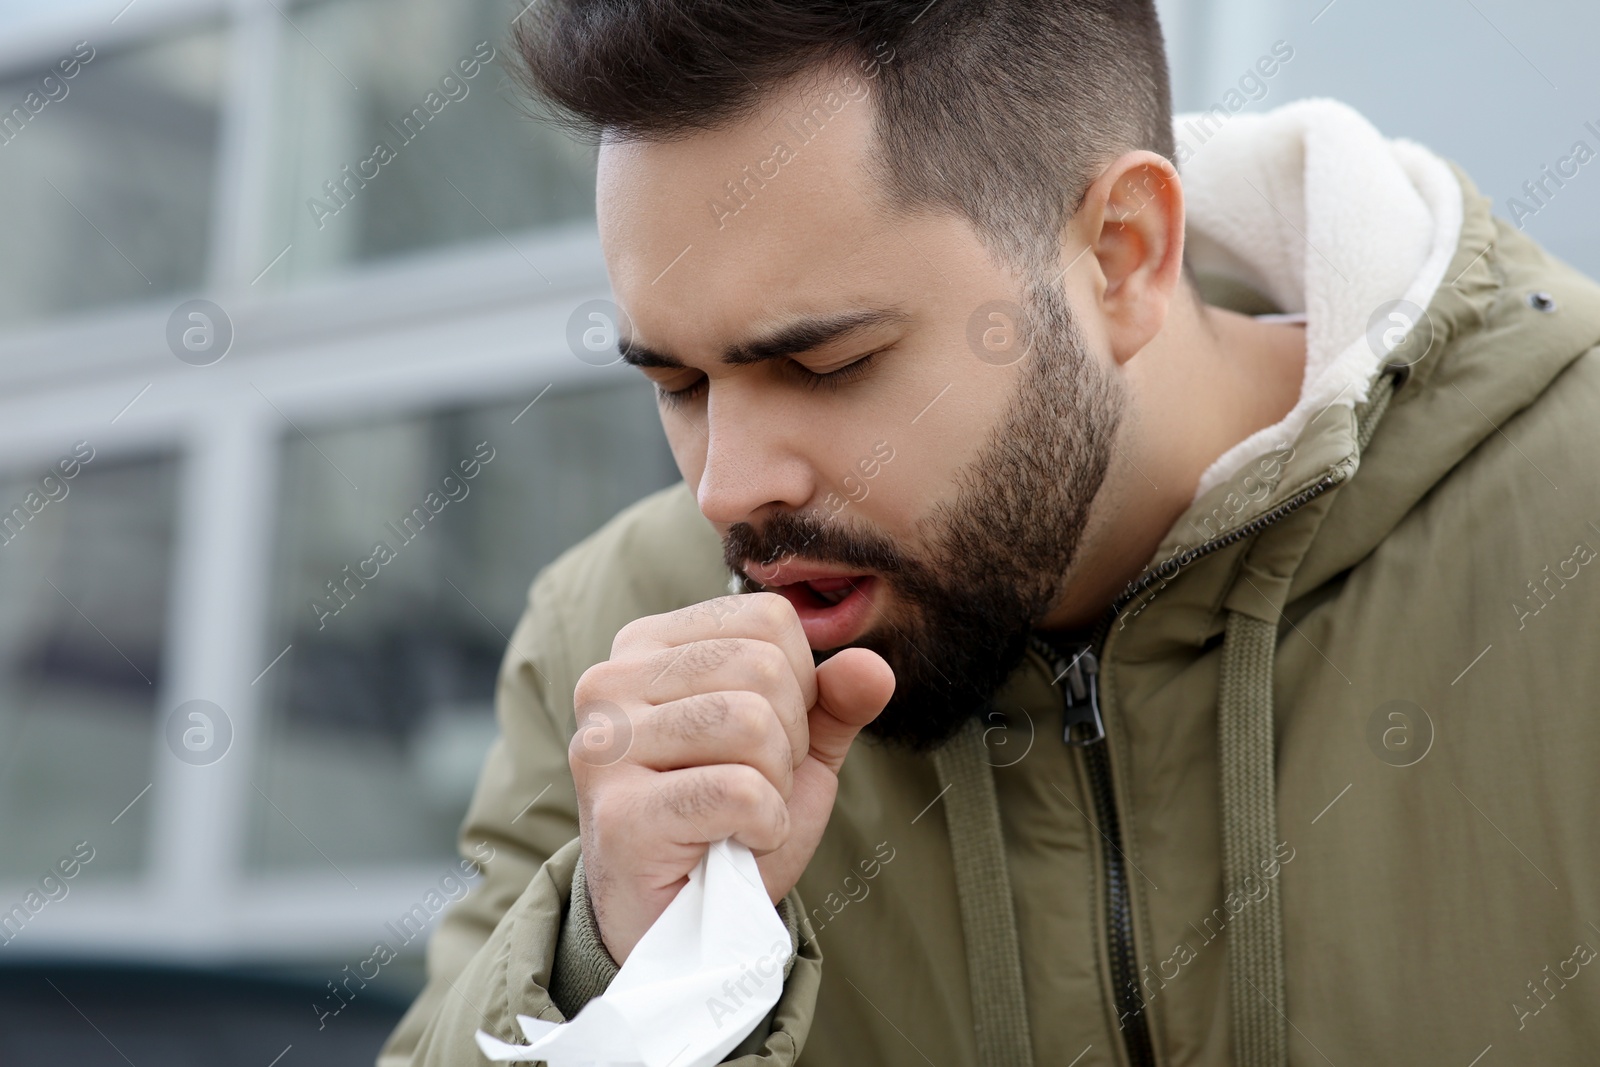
(805, 334)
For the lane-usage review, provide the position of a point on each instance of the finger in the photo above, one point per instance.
(853, 686)
(737, 726)
(699, 805)
(717, 665)
(757, 616)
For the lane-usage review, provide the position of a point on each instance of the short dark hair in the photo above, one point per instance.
(1003, 111)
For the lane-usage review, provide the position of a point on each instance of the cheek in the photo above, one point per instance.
(934, 456)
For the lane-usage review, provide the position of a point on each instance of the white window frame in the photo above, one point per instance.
(365, 345)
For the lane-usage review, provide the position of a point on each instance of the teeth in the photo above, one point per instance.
(832, 597)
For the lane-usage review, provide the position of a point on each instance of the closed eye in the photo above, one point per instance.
(809, 378)
(834, 378)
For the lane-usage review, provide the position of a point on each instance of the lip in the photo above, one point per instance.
(774, 575)
(826, 626)
(829, 626)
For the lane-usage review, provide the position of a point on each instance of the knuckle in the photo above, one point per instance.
(771, 611)
(781, 755)
(780, 823)
(603, 734)
(754, 724)
(761, 808)
(767, 665)
(747, 716)
(746, 790)
(592, 684)
(626, 636)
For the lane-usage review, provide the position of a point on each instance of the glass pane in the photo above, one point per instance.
(395, 134)
(84, 563)
(405, 549)
(106, 175)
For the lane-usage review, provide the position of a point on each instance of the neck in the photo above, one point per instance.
(1207, 381)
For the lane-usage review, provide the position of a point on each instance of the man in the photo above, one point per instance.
(1198, 530)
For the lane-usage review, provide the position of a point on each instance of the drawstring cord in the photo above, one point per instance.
(983, 888)
(1247, 754)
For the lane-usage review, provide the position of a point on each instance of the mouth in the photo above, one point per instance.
(833, 610)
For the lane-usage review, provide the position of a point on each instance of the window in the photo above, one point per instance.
(180, 163)
(84, 567)
(404, 551)
(107, 174)
(395, 132)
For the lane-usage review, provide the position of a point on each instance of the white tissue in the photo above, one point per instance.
(695, 985)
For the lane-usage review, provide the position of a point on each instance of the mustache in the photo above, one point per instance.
(792, 535)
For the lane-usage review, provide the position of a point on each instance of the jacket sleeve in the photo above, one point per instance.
(499, 952)
(583, 969)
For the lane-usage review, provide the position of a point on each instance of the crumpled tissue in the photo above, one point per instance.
(695, 985)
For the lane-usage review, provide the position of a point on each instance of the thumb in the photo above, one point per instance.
(853, 685)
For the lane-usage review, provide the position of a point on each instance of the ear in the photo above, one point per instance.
(1132, 219)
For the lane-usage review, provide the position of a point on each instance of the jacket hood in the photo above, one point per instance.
(1312, 207)
(1396, 261)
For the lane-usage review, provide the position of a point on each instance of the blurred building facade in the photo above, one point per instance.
(267, 348)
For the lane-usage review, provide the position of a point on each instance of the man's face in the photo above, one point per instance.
(867, 420)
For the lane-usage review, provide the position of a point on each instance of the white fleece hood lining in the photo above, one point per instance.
(1311, 206)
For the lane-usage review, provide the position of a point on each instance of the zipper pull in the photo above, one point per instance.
(1078, 680)
(1083, 725)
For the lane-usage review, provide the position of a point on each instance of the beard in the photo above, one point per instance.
(999, 549)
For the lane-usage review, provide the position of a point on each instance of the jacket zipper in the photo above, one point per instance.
(1084, 728)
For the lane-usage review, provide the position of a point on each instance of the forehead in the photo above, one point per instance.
(777, 214)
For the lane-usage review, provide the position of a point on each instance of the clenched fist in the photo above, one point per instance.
(706, 723)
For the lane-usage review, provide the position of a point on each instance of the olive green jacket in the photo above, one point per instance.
(1366, 682)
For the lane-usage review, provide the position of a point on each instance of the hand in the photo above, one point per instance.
(705, 723)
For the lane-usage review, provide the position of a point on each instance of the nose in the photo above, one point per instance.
(749, 462)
